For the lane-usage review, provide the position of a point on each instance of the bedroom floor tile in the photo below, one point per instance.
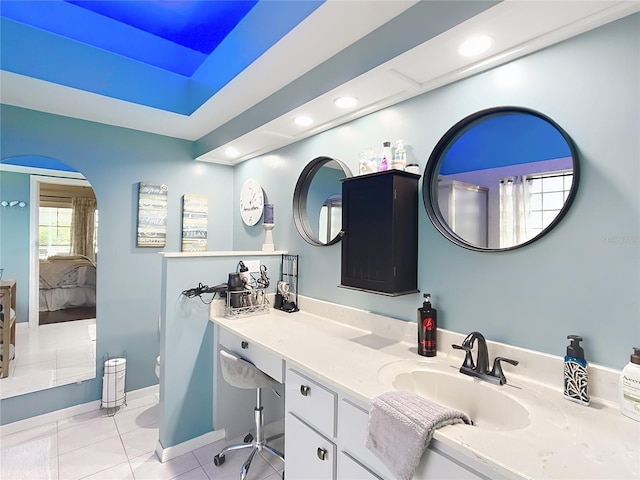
(45, 357)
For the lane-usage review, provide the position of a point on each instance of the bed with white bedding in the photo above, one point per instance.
(67, 281)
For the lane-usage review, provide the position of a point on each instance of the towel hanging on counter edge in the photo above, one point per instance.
(400, 428)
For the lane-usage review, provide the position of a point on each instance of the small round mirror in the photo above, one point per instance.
(317, 201)
(500, 179)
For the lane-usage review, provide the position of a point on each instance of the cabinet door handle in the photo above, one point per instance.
(244, 345)
(304, 390)
(322, 453)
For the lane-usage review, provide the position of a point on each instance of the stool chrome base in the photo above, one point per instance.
(257, 444)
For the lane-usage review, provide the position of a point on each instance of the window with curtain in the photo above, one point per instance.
(549, 193)
(68, 221)
(83, 225)
(529, 203)
(54, 231)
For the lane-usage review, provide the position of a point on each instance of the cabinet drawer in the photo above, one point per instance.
(268, 362)
(311, 401)
(352, 431)
(309, 455)
(350, 469)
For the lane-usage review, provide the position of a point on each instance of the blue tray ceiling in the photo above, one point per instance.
(166, 54)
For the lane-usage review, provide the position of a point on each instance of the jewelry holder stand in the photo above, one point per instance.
(287, 292)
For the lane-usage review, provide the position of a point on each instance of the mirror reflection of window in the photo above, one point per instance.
(519, 165)
(549, 192)
(317, 203)
(325, 186)
(330, 222)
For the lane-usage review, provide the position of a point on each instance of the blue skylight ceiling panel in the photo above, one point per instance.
(45, 56)
(197, 25)
(152, 59)
(90, 28)
(262, 28)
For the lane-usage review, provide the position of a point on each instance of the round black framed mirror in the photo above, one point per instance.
(317, 201)
(500, 179)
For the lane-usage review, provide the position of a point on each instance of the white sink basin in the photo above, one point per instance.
(489, 406)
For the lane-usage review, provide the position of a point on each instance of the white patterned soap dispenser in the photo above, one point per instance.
(576, 377)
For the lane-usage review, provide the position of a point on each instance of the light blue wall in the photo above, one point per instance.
(14, 238)
(114, 160)
(583, 278)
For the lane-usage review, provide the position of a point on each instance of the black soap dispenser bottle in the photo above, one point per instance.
(427, 328)
(576, 377)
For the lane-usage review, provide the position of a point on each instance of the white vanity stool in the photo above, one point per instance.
(242, 374)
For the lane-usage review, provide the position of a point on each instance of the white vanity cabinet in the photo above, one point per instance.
(268, 362)
(310, 426)
(352, 431)
(309, 455)
(350, 469)
(325, 432)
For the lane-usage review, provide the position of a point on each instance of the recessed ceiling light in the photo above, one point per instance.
(231, 152)
(345, 102)
(475, 46)
(303, 120)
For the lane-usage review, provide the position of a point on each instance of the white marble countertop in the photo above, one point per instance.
(562, 440)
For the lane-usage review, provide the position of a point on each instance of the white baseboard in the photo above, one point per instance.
(165, 454)
(56, 415)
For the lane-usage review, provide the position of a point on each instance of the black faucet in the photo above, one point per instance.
(480, 369)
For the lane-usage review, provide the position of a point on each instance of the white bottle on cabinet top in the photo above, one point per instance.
(630, 387)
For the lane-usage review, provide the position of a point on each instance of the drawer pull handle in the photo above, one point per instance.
(244, 345)
(304, 390)
(322, 453)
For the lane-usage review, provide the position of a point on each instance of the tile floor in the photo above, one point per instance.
(51, 355)
(96, 446)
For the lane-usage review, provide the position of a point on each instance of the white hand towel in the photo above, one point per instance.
(401, 425)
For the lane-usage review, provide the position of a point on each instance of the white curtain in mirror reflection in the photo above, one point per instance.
(515, 202)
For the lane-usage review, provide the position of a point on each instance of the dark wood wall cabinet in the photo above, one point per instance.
(380, 226)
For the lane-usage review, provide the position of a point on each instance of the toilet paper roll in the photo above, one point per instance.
(113, 392)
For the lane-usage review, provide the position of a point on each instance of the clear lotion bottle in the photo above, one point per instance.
(630, 387)
(576, 377)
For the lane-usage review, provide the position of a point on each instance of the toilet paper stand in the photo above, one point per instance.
(114, 394)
